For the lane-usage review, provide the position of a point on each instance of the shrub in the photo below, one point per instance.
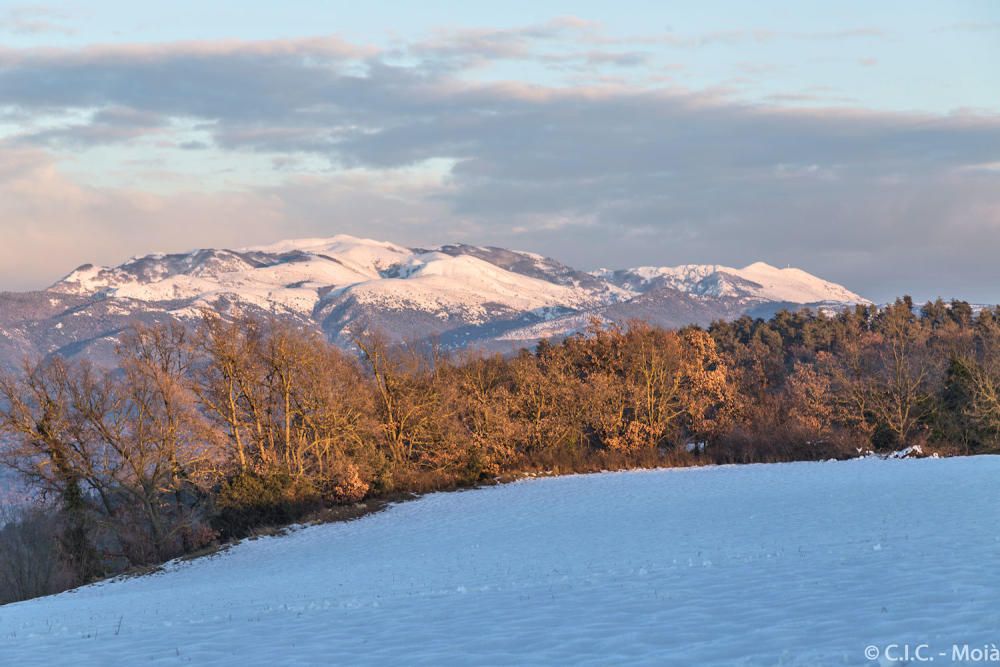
(350, 487)
(248, 500)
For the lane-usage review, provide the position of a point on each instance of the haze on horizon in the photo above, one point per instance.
(858, 142)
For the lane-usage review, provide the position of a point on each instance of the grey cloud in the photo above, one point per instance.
(105, 126)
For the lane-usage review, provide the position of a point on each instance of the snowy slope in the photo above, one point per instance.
(757, 281)
(366, 256)
(797, 564)
(446, 285)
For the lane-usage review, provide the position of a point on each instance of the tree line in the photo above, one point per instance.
(207, 433)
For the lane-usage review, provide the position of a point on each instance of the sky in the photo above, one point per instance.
(859, 141)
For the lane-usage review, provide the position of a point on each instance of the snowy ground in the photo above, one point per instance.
(768, 564)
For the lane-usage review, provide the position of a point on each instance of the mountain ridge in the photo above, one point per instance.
(460, 294)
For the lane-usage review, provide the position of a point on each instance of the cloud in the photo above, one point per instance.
(465, 43)
(109, 125)
(457, 49)
(51, 223)
(634, 175)
(567, 42)
(35, 20)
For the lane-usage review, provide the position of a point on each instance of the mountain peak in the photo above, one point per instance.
(761, 266)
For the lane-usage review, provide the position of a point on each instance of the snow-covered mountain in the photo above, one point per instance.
(309, 276)
(459, 294)
(756, 281)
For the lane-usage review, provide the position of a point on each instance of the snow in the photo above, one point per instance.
(84, 280)
(294, 275)
(361, 250)
(354, 277)
(909, 452)
(797, 564)
(364, 256)
(794, 285)
(558, 325)
(436, 282)
(768, 282)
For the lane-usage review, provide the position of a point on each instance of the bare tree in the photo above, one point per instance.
(983, 378)
(901, 397)
(411, 404)
(50, 447)
(230, 384)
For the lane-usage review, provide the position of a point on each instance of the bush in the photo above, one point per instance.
(350, 486)
(782, 444)
(251, 499)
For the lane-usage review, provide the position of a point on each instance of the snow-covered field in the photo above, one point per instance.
(804, 563)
